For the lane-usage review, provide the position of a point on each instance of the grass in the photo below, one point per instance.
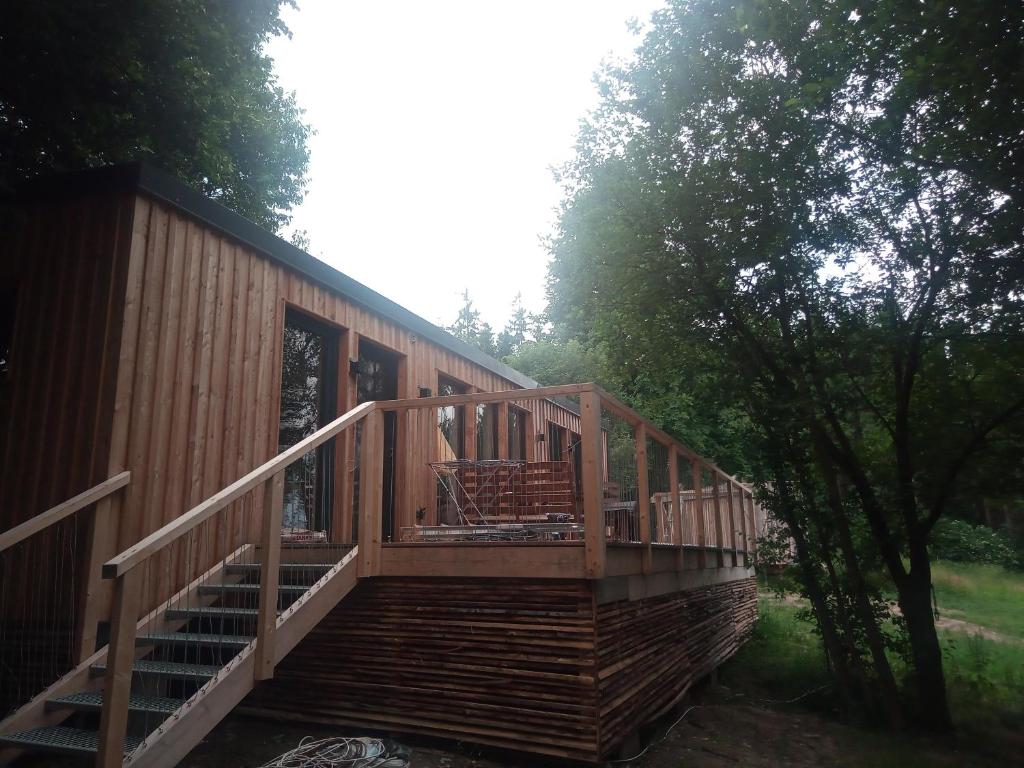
(987, 595)
(985, 677)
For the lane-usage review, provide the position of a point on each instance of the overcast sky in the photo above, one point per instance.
(437, 125)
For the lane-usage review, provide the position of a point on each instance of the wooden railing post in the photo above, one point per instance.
(698, 512)
(677, 508)
(732, 522)
(270, 544)
(743, 525)
(753, 528)
(592, 484)
(643, 493)
(717, 478)
(118, 680)
(371, 494)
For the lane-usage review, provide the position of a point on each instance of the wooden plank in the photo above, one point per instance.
(717, 478)
(643, 495)
(266, 625)
(732, 524)
(476, 398)
(371, 479)
(593, 514)
(118, 680)
(698, 511)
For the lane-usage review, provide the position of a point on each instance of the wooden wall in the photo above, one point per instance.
(535, 666)
(68, 262)
(198, 387)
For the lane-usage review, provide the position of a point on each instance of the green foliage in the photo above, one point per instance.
(788, 225)
(962, 542)
(182, 83)
(989, 595)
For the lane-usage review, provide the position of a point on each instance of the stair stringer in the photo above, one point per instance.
(183, 730)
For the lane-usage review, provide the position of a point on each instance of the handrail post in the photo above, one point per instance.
(698, 511)
(753, 528)
(743, 526)
(371, 486)
(732, 521)
(677, 511)
(643, 493)
(717, 477)
(593, 490)
(270, 574)
(118, 679)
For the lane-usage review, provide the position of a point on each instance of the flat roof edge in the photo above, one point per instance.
(146, 178)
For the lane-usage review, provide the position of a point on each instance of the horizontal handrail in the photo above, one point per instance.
(608, 400)
(481, 398)
(157, 540)
(55, 514)
(612, 403)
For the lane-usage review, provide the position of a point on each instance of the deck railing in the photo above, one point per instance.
(632, 484)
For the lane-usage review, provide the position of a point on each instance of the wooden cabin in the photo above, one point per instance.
(232, 476)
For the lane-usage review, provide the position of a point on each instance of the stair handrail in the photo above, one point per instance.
(138, 552)
(122, 568)
(65, 509)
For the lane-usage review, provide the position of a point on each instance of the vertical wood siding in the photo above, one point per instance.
(198, 389)
(68, 262)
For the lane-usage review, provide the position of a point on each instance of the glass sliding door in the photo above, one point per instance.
(308, 402)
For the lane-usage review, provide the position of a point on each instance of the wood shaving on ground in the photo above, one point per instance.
(339, 752)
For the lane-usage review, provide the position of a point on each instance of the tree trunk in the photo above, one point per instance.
(915, 599)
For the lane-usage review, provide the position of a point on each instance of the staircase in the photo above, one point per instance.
(194, 662)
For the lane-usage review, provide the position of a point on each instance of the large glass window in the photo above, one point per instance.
(516, 434)
(486, 432)
(554, 440)
(451, 421)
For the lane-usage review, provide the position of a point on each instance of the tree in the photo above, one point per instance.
(794, 209)
(182, 83)
(513, 335)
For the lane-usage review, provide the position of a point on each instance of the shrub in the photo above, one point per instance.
(962, 542)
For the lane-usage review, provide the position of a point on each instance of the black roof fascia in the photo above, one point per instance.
(168, 188)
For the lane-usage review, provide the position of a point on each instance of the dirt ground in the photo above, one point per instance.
(724, 729)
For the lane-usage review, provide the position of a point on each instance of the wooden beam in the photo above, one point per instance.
(743, 526)
(475, 398)
(55, 514)
(698, 511)
(371, 485)
(643, 501)
(592, 485)
(717, 478)
(118, 682)
(157, 540)
(732, 523)
(503, 452)
(273, 501)
(677, 508)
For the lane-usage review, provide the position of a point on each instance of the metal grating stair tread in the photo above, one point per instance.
(287, 567)
(59, 738)
(137, 702)
(190, 638)
(211, 613)
(167, 669)
(217, 589)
